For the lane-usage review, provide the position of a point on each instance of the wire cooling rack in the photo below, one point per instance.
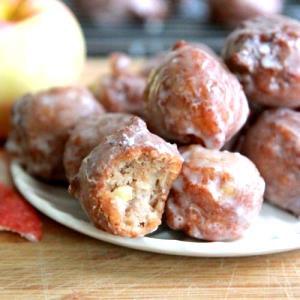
(139, 39)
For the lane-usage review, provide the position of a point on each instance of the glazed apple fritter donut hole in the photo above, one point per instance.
(192, 98)
(217, 195)
(264, 53)
(41, 124)
(124, 182)
(273, 144)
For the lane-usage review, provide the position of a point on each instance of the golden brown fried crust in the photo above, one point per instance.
(192, 98)
(41, 125)
(273, 144)
(265, 56)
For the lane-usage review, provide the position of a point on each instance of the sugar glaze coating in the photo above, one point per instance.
(41, 124)
(217, 195)
(264, 53)
(193, 98)
(88, 134)
(273, 144)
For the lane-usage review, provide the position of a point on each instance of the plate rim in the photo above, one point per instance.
(170, 246)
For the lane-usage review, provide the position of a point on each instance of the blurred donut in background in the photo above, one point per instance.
(115, 11)
(122, 90)
(233, 12)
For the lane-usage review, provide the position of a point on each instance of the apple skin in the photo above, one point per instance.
(42, 47)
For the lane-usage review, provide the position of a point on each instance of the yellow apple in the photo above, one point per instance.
(41, 45)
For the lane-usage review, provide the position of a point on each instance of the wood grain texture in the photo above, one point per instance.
(70, 266)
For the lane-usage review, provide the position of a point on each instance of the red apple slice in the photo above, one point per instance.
(16, 215)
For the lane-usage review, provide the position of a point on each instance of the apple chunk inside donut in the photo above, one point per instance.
(135, 193)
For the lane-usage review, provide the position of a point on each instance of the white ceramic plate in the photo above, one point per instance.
(274, 230)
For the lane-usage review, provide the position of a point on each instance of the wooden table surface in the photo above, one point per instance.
(68, 265)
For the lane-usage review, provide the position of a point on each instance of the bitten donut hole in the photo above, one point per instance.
(135, 188)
